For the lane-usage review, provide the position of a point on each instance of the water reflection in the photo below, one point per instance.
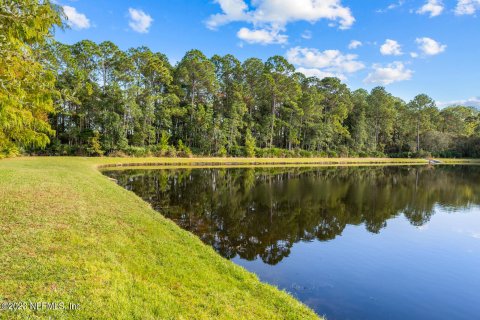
(262, 212)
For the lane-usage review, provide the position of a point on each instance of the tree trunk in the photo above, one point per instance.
(418, 137)
(273, 122)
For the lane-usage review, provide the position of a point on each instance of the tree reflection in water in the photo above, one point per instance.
(263, 212)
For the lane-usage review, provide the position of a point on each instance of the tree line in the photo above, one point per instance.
(136, 102)
(96, 99)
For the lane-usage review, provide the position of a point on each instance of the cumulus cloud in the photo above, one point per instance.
(354, 44)
(312, 72)
(391, 48)
(261, 36)
(76, 19)
(328, 63)
(432, 7)
(139, 21)
(274, 15)
(467, 7)
(429, 46)
(385, 75)
(471, 102)
(233, 10)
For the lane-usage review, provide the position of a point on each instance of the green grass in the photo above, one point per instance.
(460, 161)
(253, 161)
(69, 234)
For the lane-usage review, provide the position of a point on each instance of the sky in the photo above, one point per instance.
(408, 46)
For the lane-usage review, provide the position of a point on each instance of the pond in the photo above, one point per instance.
(380, 242)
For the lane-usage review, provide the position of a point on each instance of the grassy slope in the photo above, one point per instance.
(69, 234)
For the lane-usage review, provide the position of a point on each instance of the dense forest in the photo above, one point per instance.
(96, 99)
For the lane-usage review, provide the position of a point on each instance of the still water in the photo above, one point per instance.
(350, 242)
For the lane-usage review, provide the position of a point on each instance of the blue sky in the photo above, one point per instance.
(409, 46)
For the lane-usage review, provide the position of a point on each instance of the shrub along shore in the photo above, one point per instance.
(69, 235)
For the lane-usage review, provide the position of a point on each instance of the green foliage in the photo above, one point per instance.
(137, 151)
(163, 147)
(139, 104)
(8, 149)
(170, 152)
(459, 120)
(249, 144)
(183, 150)
(423, 113)
(357, 120)
(26, 85)
(381, 111)
(94, 148)
(222, 152)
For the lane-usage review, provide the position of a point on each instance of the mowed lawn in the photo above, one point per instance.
(70, 235)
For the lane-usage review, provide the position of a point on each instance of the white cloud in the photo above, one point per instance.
(413, 54)
(274, 15)
(467, 7)
(396, 5)
(391, 48)
(233, 10)
(392, 6)
(471, 102)
(324, 63)
(432, 7)
(262, 36)
(139, 21)
(307, 34)
(429, 46)
(354, 44)
(312, 72)
(76, 19)
(393, 72)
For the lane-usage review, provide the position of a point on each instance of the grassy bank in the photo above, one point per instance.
(70, 235)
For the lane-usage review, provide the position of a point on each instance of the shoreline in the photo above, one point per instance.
(106, 162)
